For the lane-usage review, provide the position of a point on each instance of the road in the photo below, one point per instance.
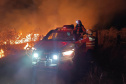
(20, 72)
(16, 69)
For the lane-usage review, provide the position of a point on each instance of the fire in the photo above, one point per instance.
(29, 49)
(28, 38)
(27, 46)
(1, 53)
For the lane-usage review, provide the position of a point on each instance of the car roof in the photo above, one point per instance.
(64, 30)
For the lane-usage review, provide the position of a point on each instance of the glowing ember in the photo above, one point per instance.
(1, 53)
(5, 43)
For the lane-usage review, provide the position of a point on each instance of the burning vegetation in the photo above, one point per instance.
(28, 38)
(12, 37)
(1, 53)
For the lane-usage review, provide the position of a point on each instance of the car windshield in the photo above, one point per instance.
(61, 36)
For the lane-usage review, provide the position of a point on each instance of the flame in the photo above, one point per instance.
(27, 46)
(1, 53)
(27, 38)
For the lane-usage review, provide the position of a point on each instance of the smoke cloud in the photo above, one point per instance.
(42, 15)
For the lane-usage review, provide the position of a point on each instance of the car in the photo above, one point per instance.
(59, 49)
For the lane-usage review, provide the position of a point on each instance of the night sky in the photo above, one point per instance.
(42, 15)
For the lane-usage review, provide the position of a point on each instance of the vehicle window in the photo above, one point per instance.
(61, 36)
(52, 36)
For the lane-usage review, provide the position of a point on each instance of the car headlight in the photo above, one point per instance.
(35, 55)
(55, 57)
(68, 53)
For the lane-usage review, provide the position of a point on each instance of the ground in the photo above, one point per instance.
(16, 69)
(107, 66)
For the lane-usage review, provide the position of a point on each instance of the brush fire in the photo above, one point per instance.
(15, 40)
(28, 38)
(19, 39)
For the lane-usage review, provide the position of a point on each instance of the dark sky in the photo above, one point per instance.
(43, 15)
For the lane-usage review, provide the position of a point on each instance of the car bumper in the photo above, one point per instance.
(62, 63)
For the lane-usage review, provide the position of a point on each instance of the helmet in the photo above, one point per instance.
(78, 22)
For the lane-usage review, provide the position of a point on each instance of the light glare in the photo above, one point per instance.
(55, 57)
(67, 53)
(35, 55)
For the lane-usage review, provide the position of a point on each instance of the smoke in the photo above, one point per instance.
(111, 14)
(42, 15)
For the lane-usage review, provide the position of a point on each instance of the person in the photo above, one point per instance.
(79, 30)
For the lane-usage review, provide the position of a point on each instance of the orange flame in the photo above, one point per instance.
(27, 46)
(28, 38)
(1, 53)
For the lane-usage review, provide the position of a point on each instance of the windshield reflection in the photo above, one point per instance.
(61, 36)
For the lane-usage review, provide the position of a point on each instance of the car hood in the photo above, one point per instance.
(51, 45)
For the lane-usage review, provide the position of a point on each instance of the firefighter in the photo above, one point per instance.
(79, 30)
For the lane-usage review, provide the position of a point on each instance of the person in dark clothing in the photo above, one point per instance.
(79, 30)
